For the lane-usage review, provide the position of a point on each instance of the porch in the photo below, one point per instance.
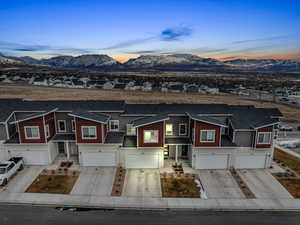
(65, 147)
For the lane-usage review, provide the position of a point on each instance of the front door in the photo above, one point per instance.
(184, 151)
(61, 147)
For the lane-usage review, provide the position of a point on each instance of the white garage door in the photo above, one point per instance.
(250, 161)
(99, 158)
(139, 160)
(33, 157)
(206, 161)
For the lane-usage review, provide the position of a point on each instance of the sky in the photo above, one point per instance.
(221, 29)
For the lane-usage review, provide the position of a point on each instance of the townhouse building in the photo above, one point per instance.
(116, 133)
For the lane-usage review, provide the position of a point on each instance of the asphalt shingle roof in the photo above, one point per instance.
(149, 120)
(114, 138)
(207, 119)
(97, 117)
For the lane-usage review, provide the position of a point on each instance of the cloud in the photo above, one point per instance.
(168, 34)
(175, 33)
(273, 38)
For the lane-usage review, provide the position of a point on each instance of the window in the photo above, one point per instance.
(73, 125)
(88, 132)
(207, 136)
(114, 125)
(47, 130)
(150, 136)
(182, 129)
(32, 132)
(264, 138)
(169, 129)
(130, 129)
(62, 126)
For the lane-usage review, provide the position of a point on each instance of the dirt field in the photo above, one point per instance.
(42, 93)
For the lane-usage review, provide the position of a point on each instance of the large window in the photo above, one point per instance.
(62, 126)
(169, 129)
(208, 136)
(114, 125)
(130, 129)
(264, 138)
(150, 136)
(47, 130)
(88, 132)
(32, 132)
(182, 129)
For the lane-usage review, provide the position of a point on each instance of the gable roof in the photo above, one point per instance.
(96, 117)
(207, 119)
(150, 120)
(33, 116)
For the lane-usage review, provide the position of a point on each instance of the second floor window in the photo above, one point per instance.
(47, 130)
(208, 136)
(32, 132)
(62, 126)
(264, 138)
(114, 125)
(151, 136)
(130, 129)
(182, 129)
(73, 125)
(169, 129)
(89, 132)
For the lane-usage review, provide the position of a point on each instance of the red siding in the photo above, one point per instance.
(49, 119)
(155, 126)
(33, 122)
(205, 126)
(264, 129)
(81, 122)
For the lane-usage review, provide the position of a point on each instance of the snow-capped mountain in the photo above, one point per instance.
(170, 62)
(272, 65)
(175, 61)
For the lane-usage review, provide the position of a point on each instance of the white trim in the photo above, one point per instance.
(25, 132)
(157, 121)
(214, 140)
(84, 138)
(47, 131)
(114, 130)
(263, 143)
(65, 123)
(44, 124)
(204, 121)
(185, 125)
(44, 113)
(271, 124)
(85, 118)
(73, 125)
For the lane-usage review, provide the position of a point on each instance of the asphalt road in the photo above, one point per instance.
(29, 215)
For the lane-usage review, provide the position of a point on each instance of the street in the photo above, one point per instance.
(31, 215)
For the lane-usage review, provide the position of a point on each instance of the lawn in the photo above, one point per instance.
(179, 188)
(290, 161)
(292, 186)
(53, 184)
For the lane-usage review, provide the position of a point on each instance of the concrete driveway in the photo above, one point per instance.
(263, 184)
(220, 184)
(94, 181)
(22, 180)
(142, 183)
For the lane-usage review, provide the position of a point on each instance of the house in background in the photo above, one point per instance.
(115, 133)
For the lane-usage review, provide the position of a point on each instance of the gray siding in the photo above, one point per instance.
(123, 120)
(176, 120)
(244, 138)
(3, 135)
(67, 118)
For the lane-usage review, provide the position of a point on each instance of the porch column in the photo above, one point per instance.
(68, 150)
(176, 154)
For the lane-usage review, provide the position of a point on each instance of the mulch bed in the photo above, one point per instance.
(292, 186)
(286, 160)
(53, 184)
(179, 186)
(242, 185)
(118, 182)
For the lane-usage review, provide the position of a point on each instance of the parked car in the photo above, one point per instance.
(9, 168)
(284, 99)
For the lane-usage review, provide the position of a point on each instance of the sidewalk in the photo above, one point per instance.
(149, 203)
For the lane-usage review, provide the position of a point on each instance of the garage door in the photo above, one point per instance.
(99, 158)
(139, 160)
(32, 157)
(250, 161)
(206, 161)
